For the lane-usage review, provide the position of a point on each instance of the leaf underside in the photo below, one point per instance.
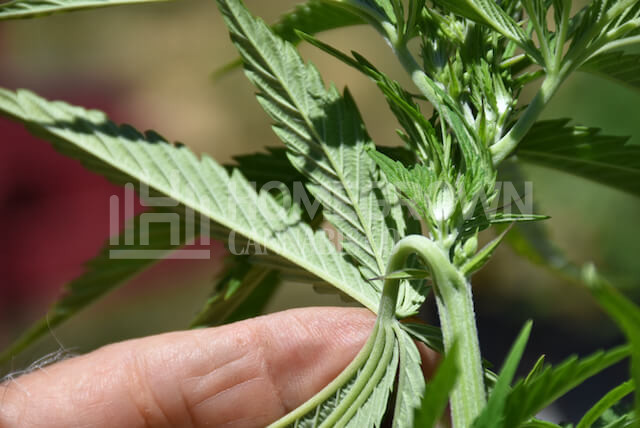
(311, 17)
(20, 9)
(123, 154)
(326, 141)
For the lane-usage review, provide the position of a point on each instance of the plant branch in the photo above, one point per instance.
(509, 142)
(418, 76)
(542, 36)
(457, 318)
(563, 30)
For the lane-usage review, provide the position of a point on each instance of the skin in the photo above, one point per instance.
(246, 374)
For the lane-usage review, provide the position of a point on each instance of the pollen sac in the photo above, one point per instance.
(444, 203)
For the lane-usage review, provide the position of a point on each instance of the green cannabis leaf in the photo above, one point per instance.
(20, 9)
(104, 273)
(242, 293)
(624, 312)
(604, 404)
(584, 152)
(437, 392)
(536, 392)
(489, 13)
(312, 17)
(121, 153)
(620, 67)
(494, 413)
(407, 220)
(326, 139)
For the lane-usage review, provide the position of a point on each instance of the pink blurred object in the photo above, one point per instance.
(55, 215)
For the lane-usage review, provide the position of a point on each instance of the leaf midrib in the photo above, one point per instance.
(317, 140)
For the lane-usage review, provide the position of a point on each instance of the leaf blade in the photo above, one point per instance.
(624, 312)
(583, 152)
(23, 9)
(122, 153)
(326, 140)
(528, 398)
(103, 274)
(611, 398)
(489, 13)
(311, 17)
(411, 383)
(493, 414)
(240, 294)
(437, 391)
(620, 67)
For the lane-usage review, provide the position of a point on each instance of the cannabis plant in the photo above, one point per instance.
(407, 217)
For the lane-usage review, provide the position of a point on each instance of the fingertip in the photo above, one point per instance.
(245, 374)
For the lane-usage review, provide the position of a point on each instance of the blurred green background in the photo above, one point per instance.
(151, 66)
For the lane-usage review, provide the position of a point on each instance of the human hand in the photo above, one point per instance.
(246, 374)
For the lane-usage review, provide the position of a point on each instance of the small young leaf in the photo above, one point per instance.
(536, 370)
(413, 184)
(493, 414)
(482, 222)
(489, 13)
(624, 312)
(483, 256)
(526, 399)
(240, 294)
(436, 394)
(605, 403)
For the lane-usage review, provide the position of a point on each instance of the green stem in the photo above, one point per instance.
(509, 142)
(457, 317)
(418, 76)
(372, 348)
(542, 36)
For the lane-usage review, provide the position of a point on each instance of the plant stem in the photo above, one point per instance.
(458, 322)
(509, 142)
(457, 318)
(418, 76)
